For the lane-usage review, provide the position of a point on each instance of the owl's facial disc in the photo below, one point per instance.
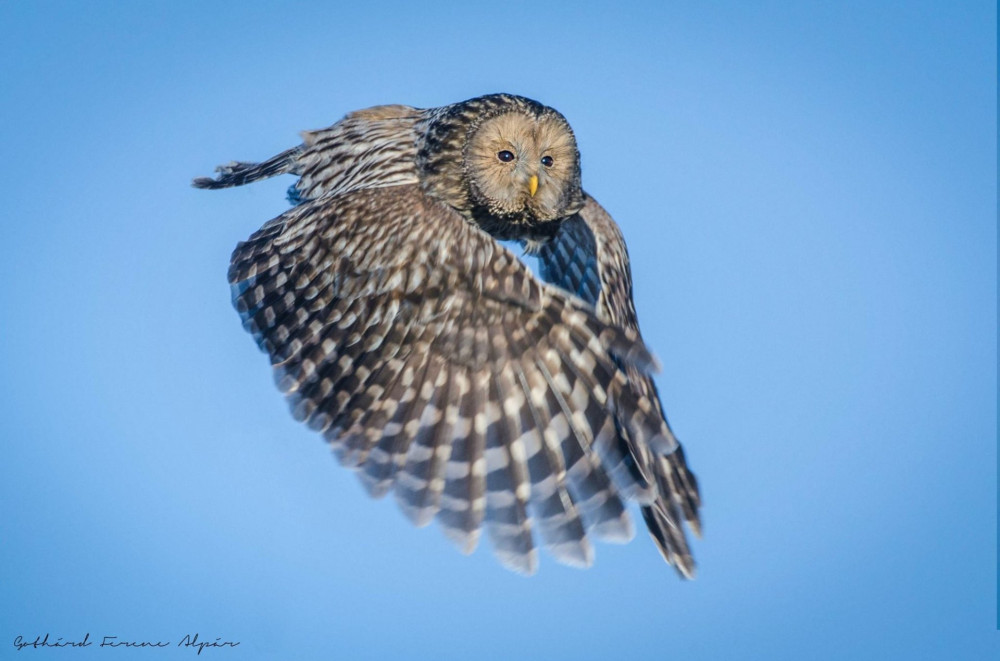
(520, 164)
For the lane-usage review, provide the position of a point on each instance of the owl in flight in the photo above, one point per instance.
(436, 364)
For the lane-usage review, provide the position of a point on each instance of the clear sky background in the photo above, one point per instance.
(809, 194)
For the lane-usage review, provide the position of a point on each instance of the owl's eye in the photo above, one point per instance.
(547, 161)
(505, 156)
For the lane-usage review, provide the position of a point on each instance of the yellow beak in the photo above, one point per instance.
(533, 184)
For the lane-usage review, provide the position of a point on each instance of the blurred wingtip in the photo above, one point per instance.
(619, 530)
(577, 554)
(202, 182)
(525, 564)
(465, 541)
(687, 570)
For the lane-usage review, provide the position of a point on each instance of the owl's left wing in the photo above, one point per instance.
(438, 366)
(588, 258)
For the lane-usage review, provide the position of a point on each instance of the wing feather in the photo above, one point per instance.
(437, 366)
(419, 487)
(508, 488)
(588, 259)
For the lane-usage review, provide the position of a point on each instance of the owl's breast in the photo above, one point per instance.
(514, 227)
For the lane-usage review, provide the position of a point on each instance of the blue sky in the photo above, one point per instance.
(809, 193)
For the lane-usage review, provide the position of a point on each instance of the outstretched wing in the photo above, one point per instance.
(438, 367)
(588, 258)
(370, 148)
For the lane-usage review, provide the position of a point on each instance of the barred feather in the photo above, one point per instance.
(508, 488)
(420, 485)
(588, 258)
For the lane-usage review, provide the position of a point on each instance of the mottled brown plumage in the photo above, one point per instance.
(433, 361)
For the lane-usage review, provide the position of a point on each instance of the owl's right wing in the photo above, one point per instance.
(588, 258)
(438, 366)
(370, 148)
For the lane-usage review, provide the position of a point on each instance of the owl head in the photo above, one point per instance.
(504, 162)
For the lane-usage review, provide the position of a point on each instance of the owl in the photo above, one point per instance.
(433, 361)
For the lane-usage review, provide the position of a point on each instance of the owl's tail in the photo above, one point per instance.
(239, 173)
